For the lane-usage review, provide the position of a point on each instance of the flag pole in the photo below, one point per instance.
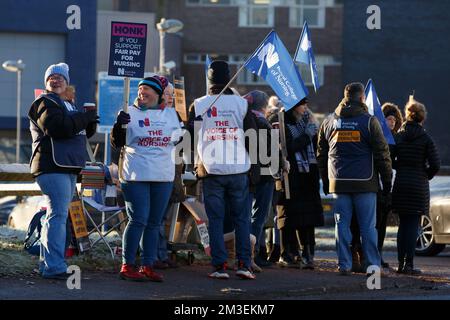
(237, 73)
(284, 151)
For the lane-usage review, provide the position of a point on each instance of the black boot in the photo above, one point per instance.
(274, 255)
(357, 259)
(261, 257)
(308, 257)
(409, 268)
(262, 252)
(401, 265)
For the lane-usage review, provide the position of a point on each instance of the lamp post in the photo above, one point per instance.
(16, 66)
(169, 26)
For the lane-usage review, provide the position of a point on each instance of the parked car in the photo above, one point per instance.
(327, 205)
(25, 210)
(7, 204)
(434, 231)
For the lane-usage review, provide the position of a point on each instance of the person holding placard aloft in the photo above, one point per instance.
(145, 173)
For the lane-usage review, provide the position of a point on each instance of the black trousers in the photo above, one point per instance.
(291, 239)
(407, 237)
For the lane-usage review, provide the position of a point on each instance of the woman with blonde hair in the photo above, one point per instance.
(416, 161)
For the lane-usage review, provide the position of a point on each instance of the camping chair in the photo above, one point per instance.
(93, 178)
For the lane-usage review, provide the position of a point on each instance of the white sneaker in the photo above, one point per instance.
(219, 272)
(245, 273)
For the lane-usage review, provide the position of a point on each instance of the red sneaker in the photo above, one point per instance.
(150, 274)
(129, 272)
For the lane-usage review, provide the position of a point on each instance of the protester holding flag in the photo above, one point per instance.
(147, 173)
(416, 161)
(223, 165)
(303, 211)
(393, 116)
(394, 119)
(58, 131)
(352, 152)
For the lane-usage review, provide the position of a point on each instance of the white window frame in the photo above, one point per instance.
(246, 9)
(322, 61)
(208, 3)
(295, 9)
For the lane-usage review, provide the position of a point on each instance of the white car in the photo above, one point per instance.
(434, 231)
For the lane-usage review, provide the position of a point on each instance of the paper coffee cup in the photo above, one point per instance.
(88, 106)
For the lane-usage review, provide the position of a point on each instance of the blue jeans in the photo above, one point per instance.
(364, 206)
(233, 191)
(261, 205)
(146, 203)
(59, 188)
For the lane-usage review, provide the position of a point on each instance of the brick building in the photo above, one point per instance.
(232, 29)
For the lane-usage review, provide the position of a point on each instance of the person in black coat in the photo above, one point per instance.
(59, 131)
(416, 161)
(303, 211)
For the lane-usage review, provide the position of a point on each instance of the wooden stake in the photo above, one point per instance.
(284, 151)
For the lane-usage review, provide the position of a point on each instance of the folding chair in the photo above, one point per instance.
(93, 178)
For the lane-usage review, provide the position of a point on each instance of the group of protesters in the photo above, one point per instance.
(347, 153)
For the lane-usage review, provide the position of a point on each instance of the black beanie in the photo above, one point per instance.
(218, 73)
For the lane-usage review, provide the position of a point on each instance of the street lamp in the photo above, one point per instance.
(16, 66)
(169, 26)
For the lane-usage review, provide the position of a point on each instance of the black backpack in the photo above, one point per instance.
(32, 242)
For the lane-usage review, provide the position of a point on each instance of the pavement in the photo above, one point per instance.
(192, 283)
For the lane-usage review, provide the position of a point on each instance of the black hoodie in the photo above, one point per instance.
(380, 150)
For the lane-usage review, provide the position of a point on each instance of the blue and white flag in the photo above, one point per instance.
(305, 54)
(207, 63)
(272, 62)
(374, 106)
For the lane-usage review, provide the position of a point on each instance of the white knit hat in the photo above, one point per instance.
(60, 68)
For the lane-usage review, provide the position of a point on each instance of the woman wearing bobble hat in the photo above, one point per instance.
(59, 133)
(146, 174)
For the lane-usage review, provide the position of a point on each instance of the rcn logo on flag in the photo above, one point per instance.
(268, 56)
(212, 112)
(144, 123)
(272, 62)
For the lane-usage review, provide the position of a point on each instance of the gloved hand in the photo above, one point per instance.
(91, 116)
(311, 129)
(123, 118)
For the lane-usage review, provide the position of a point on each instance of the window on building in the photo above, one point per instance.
(311, 11)
(244, 77)
(210, 2)
(256, 13)
(321, 61)
(107, 5)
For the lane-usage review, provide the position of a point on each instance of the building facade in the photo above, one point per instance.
(42, 33)
(232, 29)
(408, 54)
